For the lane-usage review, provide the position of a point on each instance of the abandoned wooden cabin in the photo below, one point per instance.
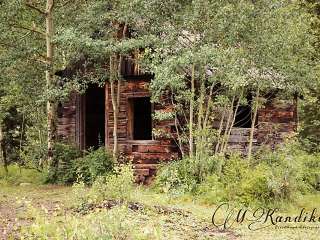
(86, 120)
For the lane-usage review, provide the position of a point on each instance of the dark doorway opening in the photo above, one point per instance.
(244, 114)
(140, 118)
(94, 117)
(243, 117)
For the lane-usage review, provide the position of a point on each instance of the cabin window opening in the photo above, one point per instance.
(140, 118)
(94, 117)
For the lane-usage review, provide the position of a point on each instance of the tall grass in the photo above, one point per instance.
(17, 175)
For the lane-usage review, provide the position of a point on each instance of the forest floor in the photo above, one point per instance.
(14, 212)
(182, 218)
(16, 202)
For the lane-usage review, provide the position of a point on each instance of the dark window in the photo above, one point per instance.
(140, 118)
(94, 116)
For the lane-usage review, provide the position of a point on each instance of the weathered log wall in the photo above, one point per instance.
(145, 154)
(67, 119)
(276, 120)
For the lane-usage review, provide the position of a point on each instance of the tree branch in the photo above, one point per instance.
(50, 7)
(35, 8)
(33, 29)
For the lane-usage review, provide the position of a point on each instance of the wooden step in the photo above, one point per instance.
(142, 172)
(240, 139)
(151, 148)
(145, 166)
(240, 131)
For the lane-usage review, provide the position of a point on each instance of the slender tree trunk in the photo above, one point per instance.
(115, 75)
(208, 110)
(220, 130)
(114, 100)
(253, 123)
(40, 136)
(223, 142)
(20, 141)
(176, 124)
(232, 123)
(191, 113)
(201, 99)
(296, 99)
(3, 156)
(200, 138)
(51, 109)
(176, 120)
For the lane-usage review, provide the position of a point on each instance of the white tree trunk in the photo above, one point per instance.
(253, 123)
(2, 151)
(191, 113)
(51, 110)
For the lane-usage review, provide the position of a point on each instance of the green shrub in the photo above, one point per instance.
(270, 177)
(256, 186)
(211, 190)
(184, 175)
(118, 185)
(71, 167)
(34, 154)
(310, 172)
(95, 163)
(64, 157)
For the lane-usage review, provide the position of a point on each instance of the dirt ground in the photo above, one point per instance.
(14, 202)
(15, 212)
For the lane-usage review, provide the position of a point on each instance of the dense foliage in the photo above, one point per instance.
(72, 167)
(267, 179)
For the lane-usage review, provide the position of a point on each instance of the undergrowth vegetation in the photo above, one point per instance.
(118, 223)
(270, 177)
(116, 186)
(18, 175)
(73, 166)
(105, 203)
